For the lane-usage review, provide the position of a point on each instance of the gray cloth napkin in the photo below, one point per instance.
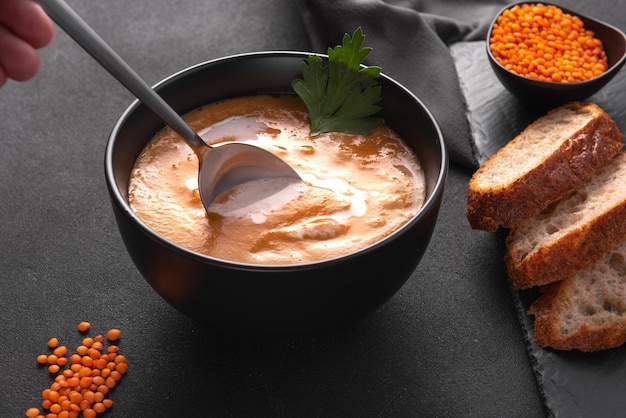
(411, 41)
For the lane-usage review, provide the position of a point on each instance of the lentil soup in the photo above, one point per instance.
(356, 190)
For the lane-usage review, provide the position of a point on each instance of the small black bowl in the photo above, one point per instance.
(549, 94)
(275, 301)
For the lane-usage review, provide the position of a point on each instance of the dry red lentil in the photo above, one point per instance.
(81, 389)
(545, 43)
(114, 334)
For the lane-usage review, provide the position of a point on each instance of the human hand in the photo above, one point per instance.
(24, 28)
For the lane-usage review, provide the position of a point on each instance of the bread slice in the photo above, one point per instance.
(554, 154)
(573, 233)
(587, 311)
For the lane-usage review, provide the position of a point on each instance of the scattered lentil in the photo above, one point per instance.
(543, 42)
(32, 412)
(114, 334)
(81, 388)
(60, 351)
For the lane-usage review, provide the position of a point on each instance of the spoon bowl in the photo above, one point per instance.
(233, 164)
(222, 167)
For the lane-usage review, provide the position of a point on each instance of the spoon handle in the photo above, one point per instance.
(91, 42)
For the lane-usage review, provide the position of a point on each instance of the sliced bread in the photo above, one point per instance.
(587, 311)
(573, 233)
(554, 154)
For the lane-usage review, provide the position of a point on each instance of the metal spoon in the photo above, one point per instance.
(221, 167)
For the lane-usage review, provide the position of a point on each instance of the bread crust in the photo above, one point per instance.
(554, 303)
(572, 164)
(564, 257)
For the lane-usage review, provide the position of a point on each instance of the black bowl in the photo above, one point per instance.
(549, 94)
(273, 301)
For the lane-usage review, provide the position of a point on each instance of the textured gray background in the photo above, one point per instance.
(448, 344)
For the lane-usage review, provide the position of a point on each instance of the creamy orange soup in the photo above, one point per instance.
(356, 189)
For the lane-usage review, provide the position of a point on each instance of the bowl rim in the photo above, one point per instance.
(554, 84)
(121, 202)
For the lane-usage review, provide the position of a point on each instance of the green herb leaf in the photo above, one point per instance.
(340, 95)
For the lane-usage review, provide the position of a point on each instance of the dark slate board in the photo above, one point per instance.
(573, 384)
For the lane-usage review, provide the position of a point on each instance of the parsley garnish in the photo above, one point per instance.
(340, 95)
